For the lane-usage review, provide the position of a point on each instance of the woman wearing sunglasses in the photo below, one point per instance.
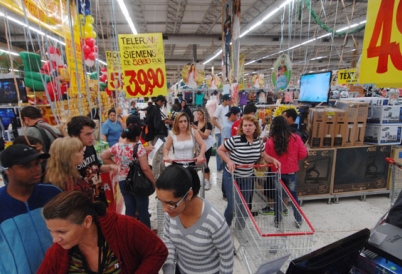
(195, 232)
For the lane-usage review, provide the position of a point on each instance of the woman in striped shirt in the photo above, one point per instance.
(244, 149)
(195, 232)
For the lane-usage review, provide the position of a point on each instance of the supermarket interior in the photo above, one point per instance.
(314, 188)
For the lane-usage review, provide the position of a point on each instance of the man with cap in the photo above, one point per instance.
(218, 120)
(156, 120)
(24, 237)
(250, 108)
(232, 116)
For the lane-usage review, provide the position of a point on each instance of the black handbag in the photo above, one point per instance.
(136, 182)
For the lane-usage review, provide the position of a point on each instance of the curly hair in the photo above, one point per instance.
(205, 113)
(175, 128)
(280, 133)
(60, 168)
(253, 119)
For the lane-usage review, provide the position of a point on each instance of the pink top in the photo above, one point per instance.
(290, 160)
(124, 155)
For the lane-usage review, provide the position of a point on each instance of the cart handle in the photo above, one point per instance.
(183, 160)
(390, 160)
(253, 165)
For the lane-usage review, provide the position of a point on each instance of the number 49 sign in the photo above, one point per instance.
(143, 64)
(381, 62)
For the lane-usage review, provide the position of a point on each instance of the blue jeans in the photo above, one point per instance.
(135, 203)
(290, 182)
(219, 162)
(246, 189)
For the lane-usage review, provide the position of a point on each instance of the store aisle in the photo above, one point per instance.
(330, 221)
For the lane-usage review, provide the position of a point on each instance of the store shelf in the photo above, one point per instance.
(361, 194)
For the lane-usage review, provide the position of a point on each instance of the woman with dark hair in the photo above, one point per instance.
(122, 153)
(184, 108)
(289, 149)
(195, 232)
(243, 149)
(89, 239)
(204, 128)
(112, 128)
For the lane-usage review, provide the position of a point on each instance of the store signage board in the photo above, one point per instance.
(347, 76)
(49, 14)
(381, 56)
(113, 70)
(143, 64)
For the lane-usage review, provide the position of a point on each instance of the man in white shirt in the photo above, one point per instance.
(218, 120)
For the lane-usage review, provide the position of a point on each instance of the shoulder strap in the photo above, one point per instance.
(45, 138)
(135, 151)
(48, 128)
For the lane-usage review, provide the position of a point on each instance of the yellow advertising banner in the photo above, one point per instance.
(381, 61)
(347, 76)
(74, 56)
(113, 70)
(143, 64)
(49, 14)
(241, 71)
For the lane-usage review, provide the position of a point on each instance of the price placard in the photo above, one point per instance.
(143, 64)
(347, 76)
(114, 75)
(381, 62)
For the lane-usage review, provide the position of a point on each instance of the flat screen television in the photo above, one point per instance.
(315, 87)
(7, 116)
(8, 91)
(336, 258)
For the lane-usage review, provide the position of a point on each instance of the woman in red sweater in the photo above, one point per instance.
(288, 149)
(87, 239)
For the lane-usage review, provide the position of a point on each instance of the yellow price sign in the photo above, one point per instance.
(381, 57)
(347, 76)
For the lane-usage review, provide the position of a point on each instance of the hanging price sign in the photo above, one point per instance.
(381, 62)
(143, 64)
(114, 75)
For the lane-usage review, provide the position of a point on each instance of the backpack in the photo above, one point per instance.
(148, 132)
(42, 127)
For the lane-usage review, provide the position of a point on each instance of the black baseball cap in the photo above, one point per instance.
(160, 98)
(233, 110)
(134, 119)
(226, 97)
(20, 154)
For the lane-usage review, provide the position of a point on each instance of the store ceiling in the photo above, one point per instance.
(192, 31)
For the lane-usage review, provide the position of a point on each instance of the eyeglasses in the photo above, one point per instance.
(173, 207)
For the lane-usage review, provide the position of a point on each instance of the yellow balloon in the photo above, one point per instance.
(89, 28)
(90, 19)
(93, 35)
(88, 34)
(81, 18)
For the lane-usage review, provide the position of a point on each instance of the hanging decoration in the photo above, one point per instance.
(258, 80)
(213, 82)
(282, 72)
(89, 47)
(193, 75)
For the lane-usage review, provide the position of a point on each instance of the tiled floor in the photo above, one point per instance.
(330, 221)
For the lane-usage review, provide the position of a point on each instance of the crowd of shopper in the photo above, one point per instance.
(87, 237)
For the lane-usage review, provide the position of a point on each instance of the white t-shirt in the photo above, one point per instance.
(220, 115)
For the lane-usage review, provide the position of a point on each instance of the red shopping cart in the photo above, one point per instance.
(187, 163)
(273, 234)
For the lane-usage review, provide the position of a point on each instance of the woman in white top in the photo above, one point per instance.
(183, 139)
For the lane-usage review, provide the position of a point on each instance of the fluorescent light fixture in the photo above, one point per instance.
(318, 58)
(102, 62)
(127, 15)
(348, 27)
(213, 57)
(250, 62)
(325, 35)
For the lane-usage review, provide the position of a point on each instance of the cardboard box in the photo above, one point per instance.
(329, 128)
(383, 134)
(341, 128)
(316, 123)
(385, 114)
(316, 172)
(359, 131)
(351, 108)
(371, 262)
(350, 134)
(361, 168)
(362, 112)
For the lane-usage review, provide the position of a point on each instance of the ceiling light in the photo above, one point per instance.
(9, 52)
(318, 58)
(102, 62)
(127, 15)
(213, 57)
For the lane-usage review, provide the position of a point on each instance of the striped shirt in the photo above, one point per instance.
(242, 152)
(205, 247)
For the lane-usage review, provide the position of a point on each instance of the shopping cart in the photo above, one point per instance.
(159, 210)
(273, 235)
(395, 179)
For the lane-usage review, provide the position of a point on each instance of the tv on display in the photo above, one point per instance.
(315, 87)
(6, 115)
(8, 91)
